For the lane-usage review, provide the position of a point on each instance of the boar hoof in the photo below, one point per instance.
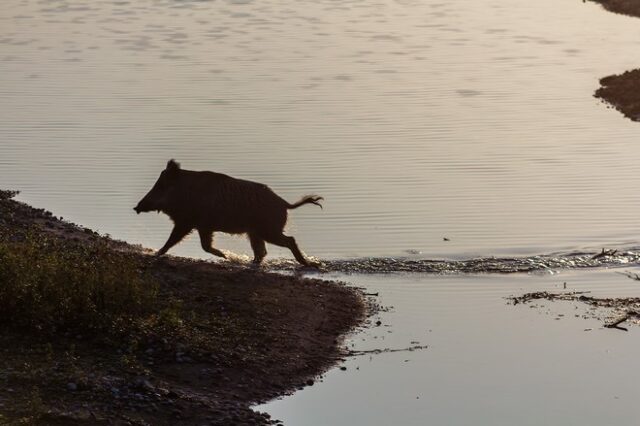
(313, 264)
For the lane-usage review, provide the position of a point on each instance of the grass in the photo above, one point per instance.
(48, 286)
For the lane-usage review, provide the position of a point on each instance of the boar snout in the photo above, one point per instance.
(145, 205)
(158, 198)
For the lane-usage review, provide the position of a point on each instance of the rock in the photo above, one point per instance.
(71, 386)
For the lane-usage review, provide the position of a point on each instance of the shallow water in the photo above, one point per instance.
(417, 120)
(505, 265)
(487, 362)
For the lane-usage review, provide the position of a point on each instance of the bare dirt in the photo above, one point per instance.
(241, 336)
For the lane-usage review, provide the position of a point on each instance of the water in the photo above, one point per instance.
(417, 121)
(487, 362)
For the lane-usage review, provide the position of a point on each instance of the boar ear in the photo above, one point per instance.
(173, 166)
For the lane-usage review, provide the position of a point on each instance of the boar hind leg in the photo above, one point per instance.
(206, 240)
(290, 243)
(259, 248)
(178, 233)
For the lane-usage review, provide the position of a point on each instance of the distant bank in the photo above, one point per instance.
(622, 91)
(625, 7)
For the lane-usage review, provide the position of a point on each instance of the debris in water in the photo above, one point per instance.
(386, 351)
(413, 251)
(628, 315)
(631, 275)
(625, 307)
(605, 253)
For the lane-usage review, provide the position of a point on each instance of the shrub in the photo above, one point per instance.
(50, 285)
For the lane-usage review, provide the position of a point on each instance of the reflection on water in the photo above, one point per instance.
(416, 120)
(487, 362)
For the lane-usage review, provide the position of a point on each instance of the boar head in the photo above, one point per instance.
(158, 198)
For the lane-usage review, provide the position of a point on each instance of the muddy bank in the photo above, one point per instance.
(622, 92)
(212, 339)
(625, 7)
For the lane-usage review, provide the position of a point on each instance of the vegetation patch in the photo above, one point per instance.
(47, 285)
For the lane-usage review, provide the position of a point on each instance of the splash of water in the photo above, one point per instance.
(540, 263)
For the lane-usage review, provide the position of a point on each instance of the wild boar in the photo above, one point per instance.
(211, 202)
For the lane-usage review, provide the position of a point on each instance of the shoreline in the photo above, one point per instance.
(620, 91)
(623, 7)
(235, 337)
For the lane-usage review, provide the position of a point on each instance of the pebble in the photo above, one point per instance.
(72, 387)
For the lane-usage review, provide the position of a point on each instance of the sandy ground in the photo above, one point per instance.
(249, 336)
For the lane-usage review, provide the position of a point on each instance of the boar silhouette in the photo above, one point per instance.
(211, 202)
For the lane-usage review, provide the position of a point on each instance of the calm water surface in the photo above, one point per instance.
(417, 120)
(488, 363)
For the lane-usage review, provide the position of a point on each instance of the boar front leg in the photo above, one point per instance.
(206, 240)
(178, 233)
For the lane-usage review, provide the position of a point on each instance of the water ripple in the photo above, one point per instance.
(502, 265)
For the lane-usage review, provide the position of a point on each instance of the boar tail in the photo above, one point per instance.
(307, 199)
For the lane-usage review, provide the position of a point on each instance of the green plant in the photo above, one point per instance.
(49, 285)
